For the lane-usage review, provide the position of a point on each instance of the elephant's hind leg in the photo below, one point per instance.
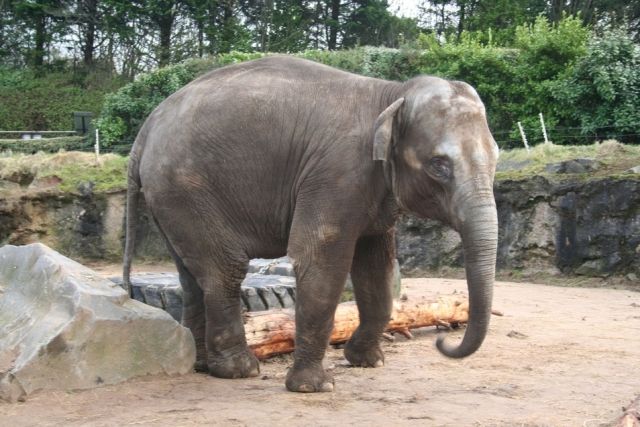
(371, 273)
(193, 313)
(228, 355)
(212, 306)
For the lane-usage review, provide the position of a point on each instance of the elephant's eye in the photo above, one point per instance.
(441, 167)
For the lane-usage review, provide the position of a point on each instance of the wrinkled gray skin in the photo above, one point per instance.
(285, 156)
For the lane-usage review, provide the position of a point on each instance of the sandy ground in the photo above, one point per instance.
(558, 357)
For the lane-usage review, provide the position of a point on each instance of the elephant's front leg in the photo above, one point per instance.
(321, 270)
(372, 275)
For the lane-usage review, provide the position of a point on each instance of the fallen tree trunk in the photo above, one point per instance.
(631, 416)
(272, 332)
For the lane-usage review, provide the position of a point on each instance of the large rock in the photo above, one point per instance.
(63, 327)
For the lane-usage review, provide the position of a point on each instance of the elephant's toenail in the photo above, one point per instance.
(327, 387)
(306, 388)
(378, 364)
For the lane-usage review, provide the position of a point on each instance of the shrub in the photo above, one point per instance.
(47, 145)
(517, 83)
(47, 102)
(602, 92)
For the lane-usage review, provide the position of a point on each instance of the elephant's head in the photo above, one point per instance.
(441, 157)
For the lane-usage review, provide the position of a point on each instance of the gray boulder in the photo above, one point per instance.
(573, 166)
(635, 169)
(64, 327)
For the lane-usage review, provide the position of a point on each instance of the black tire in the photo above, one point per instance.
(258, 292)
(270, 284)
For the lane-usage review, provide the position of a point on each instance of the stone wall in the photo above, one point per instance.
(84, 226)
(573, 226)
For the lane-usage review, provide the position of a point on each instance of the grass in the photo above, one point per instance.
(68, 169)
(615, 158)
(72, 168)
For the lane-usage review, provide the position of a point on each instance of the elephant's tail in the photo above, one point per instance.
(133, 196)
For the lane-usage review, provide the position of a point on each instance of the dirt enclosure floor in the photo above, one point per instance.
(558, 357)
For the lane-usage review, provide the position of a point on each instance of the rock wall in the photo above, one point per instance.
(589, 227)
(573, 226)
(84, 226)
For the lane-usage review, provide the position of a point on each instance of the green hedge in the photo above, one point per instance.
(30, 101)
(537, 74)
(47, 145)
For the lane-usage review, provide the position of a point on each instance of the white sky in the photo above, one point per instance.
(407, 8)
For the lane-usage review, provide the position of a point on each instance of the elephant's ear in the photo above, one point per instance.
(384, 131)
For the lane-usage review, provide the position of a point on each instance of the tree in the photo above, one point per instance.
(43, 17)
(218, 24)
(369, 23)
(12, 35)
(161, 15)
(602, 91)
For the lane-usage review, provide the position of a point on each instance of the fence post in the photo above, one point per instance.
(97, 146)
(524, 137)
(544, 129)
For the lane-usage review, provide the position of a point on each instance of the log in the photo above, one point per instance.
(631, 416)
(272, 332)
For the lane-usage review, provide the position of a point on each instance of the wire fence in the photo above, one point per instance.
(564, 135)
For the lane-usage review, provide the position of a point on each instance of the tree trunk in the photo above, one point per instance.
(227, 34)
(200, 40)
(40, 39)
(461, 18)
(90, 10)
(273, 332)
(266, 17)
(164, 20)
(334, 24)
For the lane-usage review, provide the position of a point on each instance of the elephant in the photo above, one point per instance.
(285, 156)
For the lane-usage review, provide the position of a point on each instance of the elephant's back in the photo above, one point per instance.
(266, 107)
(268, 69)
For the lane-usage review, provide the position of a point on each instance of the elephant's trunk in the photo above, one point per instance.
(479, 232)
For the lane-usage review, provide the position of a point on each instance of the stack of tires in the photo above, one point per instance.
(270, 284)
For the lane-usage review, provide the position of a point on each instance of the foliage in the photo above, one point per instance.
(602, 92)
(546, 52)
(516, 84)
(47, 145)
(125, 110)
(47, 102)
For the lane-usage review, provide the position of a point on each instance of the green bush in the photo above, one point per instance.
(47, 145)
(124, 111)
(34, 102)
(601, 94)
(536, 74)
(516, 84)
(546, 53)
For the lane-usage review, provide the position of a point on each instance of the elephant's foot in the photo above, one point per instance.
(310, 379)
(242, 364)
(201, 366)
(201, 357)
(364, 353)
